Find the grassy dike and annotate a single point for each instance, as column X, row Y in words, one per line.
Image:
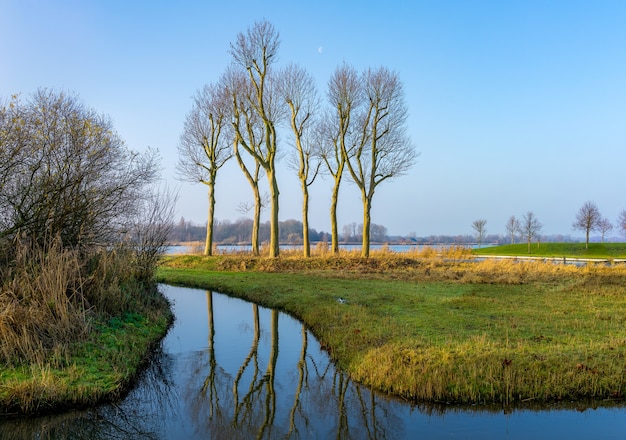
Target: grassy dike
column 430, row 327
column 607, row 251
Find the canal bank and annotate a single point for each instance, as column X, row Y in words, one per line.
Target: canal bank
column 230, row 369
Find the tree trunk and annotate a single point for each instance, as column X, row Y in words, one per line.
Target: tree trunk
column 208, row 244
column 367, row 208
column 334, row 233
column 256, row 224
column 306, row 245
column 274, row 232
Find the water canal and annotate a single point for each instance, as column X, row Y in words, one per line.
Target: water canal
column 229, row 369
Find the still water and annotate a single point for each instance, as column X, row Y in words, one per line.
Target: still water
column 229, row 369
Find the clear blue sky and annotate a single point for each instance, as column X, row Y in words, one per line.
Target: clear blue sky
column 514, row 105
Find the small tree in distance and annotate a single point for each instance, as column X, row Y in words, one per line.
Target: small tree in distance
column 530, row 227
column 621, row 222
column 512, row 227
column 587, row 220
column 604, row 226
column 479, row 228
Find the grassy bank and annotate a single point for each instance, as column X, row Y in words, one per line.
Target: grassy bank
column 430, row 329
column 100, row 368
column 558, row 250
column 75, row 328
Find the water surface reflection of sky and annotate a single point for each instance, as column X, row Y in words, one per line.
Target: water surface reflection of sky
column 231, row 370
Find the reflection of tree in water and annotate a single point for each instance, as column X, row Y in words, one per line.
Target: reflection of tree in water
column 253, row 400
column 193, row 396
column 253, row 403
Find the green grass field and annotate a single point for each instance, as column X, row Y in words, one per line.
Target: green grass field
column 439, row 331
column 558, row 250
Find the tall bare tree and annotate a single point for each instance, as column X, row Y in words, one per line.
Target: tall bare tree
column 479, row 226
column 249, row 133
column 382, row 149
column 512, row 227
column 530, row 227
column 345, row 98
column 298, row 90
column 255, row 52
column 587, row 219
column 205, row 146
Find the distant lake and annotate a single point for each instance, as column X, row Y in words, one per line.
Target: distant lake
column 350, row 247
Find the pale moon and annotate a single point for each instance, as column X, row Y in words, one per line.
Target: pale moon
column 319, row 49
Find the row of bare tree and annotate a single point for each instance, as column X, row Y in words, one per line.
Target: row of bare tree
column 360, row 134
column 588, row 219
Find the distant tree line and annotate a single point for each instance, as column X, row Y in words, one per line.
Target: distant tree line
column 588, row 220
column 240, row 232
column 227, row 232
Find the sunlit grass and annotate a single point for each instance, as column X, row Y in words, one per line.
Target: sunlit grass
column 558, row 250
column 100, row 368
column 442, row 330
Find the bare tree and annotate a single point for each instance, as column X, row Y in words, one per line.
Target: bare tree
column 13, row 140
column 347, row 232
column 530, row 227
column 587, row 219
column 512, row 227
column 205, row 146
column 479, row 227
column 621, row 222
column 345, row 97
column 381, row 148
column 604, row 226
column 255, row 52
column 65, row 172
column 249, row 132
column 297, row 88
column 149, row 232
column 379, row 232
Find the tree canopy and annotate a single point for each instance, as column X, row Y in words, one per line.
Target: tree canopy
column 65, row 172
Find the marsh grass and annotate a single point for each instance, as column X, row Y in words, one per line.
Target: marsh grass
column 433, row 327
column 55, row 302
column 41, row 304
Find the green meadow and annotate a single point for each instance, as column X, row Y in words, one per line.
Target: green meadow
column 429, row 328
column 558, row 250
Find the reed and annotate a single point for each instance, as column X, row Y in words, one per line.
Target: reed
column 59, row 309
column 41, row 304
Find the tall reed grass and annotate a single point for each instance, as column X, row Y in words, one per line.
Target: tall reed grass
column 49, row 297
